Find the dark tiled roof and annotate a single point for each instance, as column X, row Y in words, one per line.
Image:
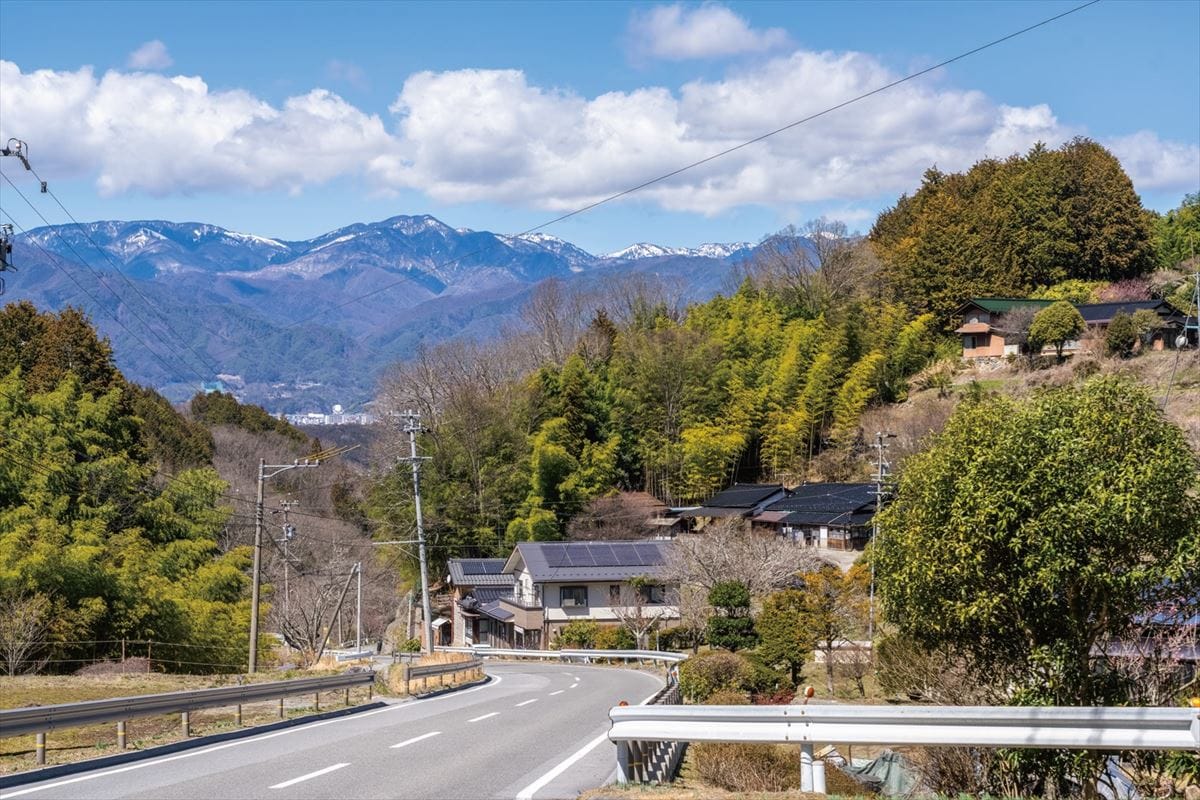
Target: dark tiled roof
column 715, row 511
column 1102, row 313
column 592, row 561
column 743, row 495
column 478, row 572
column 838, row 504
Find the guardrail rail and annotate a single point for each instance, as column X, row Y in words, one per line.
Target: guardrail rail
column 39, row 720
column 1093, row 728
column 439, row 671
column 653, row 656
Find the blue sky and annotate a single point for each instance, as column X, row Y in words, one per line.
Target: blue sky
column 289, row 120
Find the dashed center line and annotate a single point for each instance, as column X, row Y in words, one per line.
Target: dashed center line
column 573, row 685
column 416, row 739
column 309, row 776
column 560, row 691
column 527, row 702
column 485, row 716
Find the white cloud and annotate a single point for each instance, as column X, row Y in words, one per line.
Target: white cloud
column 152, row 55
column 490, row 135
column 346, row 72
column 678, row 32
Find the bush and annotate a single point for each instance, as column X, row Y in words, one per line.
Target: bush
column 760, row 678
column 732, row 633
column 615, row 638
column 581, row 633
column 747, row 767
column 1085, row 369
column 705, row 673
column 412, row 645
column 727, row 697
column 1121, row 336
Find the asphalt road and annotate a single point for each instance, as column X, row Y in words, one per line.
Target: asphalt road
column 533, row 731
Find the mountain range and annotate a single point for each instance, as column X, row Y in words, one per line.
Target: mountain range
column 297, row 325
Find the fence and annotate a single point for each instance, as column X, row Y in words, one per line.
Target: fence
column 41, row 719
column 1099, row 728
column 439, row 671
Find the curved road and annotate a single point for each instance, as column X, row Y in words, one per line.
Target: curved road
column 534, row 730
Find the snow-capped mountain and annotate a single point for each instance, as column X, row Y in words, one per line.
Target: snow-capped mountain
column 328, row 310
column 709, row 250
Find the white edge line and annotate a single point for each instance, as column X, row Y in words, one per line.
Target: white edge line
column 416, row 739
column 495, row 679
column 560, row 691
column 528, row 792
column 485, row 716
column 525, row 703
column 310, row 776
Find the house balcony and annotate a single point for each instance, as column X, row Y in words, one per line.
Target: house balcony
column 525, row 613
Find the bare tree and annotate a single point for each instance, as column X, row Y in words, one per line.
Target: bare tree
column 635, row 611
column 25, row 620
column 817, row 266
column 1014, row 326
column 694, row 612
column 727, row 551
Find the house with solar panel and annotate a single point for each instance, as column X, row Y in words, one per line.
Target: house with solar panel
column 525, row 600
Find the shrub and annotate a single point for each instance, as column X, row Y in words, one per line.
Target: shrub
column 780, row 697
column 615, row 638
column 1121, row 336
column 1085, row 369
column 727, row 697
column 580, row 633
column 747, row 767
column 732, row 627
column 705, row 673
column 412, row 645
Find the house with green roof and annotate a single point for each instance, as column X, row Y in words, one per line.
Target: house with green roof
column 985, row 334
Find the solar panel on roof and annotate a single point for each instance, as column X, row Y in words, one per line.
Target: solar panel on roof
column 625, row 554
column 555, row 556
column 482, row 567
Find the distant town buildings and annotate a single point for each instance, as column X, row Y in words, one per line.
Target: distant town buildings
column 338, row 417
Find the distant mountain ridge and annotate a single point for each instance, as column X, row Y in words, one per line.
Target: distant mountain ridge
column 246, row 302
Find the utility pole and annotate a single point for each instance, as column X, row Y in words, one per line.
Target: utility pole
column 881, row 466
column 412, row 426
column 289, row 531
column 358, row 611
column 263, row 477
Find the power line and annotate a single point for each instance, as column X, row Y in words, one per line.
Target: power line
column 53, row 259
column 720, row 154
column 203, row 360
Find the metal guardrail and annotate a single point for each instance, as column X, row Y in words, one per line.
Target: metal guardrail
column 438, row 670
column 1099, row 728
column 41, row 719
column 653, row 656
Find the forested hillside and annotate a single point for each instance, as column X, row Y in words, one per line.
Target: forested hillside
column 770, row 382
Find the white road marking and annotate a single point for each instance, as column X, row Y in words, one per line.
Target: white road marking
column 249, row 740
column 309, row 776
column 560, row 691
column 573, row 685
column 527, row 702
column 528, row 792
column 485, row 716
column 416, row 739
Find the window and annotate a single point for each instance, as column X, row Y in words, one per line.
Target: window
column 653, row 595
column 573, row 596
column 614, row 594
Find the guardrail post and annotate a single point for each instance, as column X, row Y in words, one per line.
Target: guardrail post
column 187, row 724
column 347, row 695
column 40, row 747
column 623, row 762
column 370, row 691
column 806, row 767
column 316, row 701
column 281, row 708
column 121, row 735
column 818, row 771
column 237, row 719
column 406, row 678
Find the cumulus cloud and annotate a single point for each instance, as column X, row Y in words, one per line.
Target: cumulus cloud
column 491, row 135
column 678, row 33
column 152, row 55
